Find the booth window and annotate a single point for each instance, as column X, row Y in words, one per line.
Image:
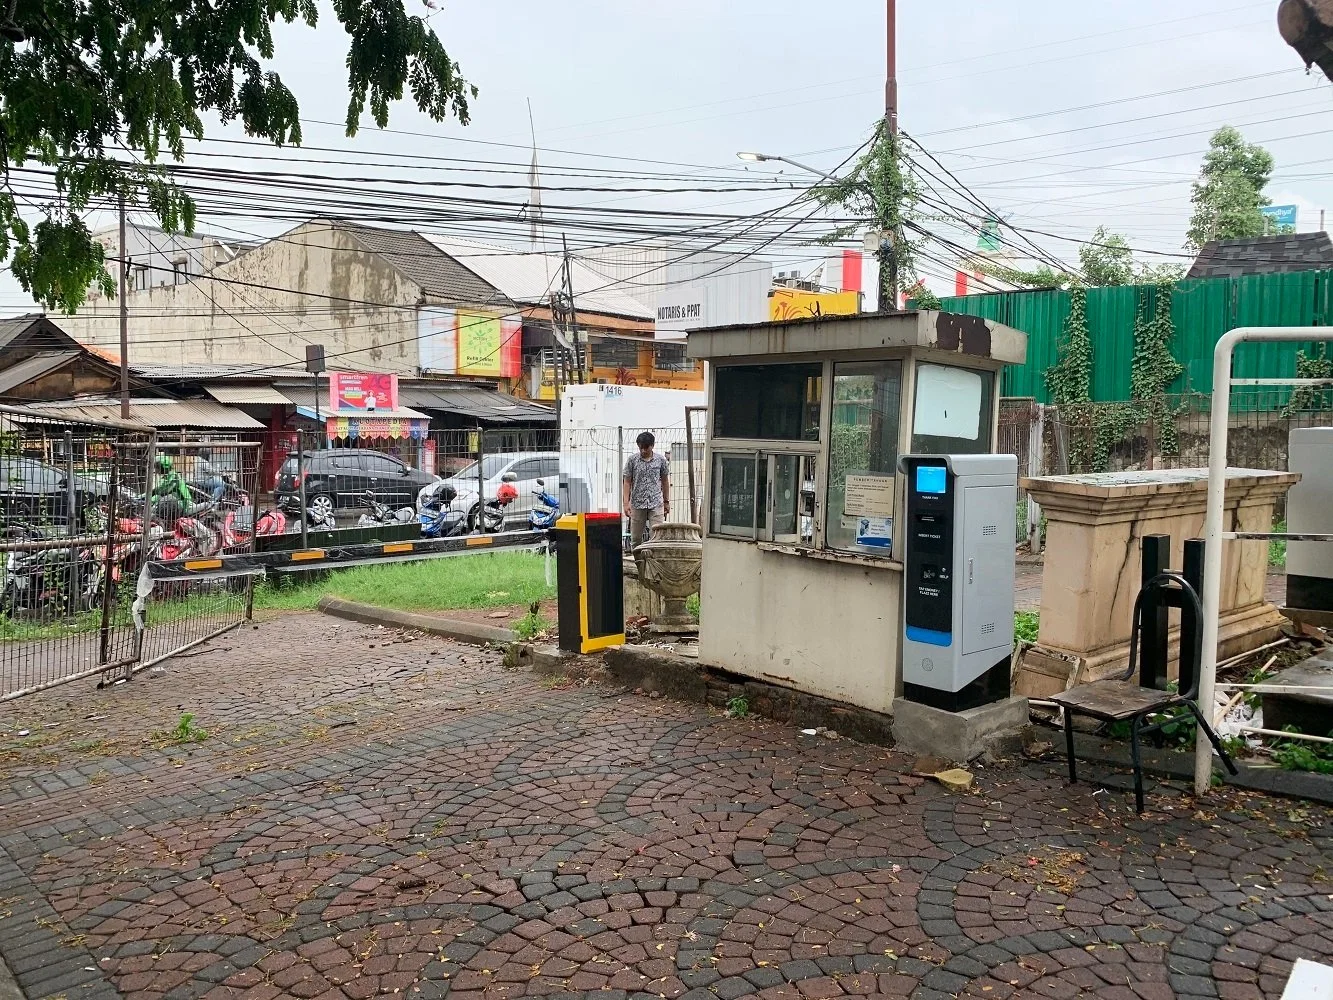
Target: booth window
column 768, row 402
column 863, row 455
column 764, row 496
column 953, row 411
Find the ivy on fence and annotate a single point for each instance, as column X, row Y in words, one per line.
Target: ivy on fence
column 1096, row 428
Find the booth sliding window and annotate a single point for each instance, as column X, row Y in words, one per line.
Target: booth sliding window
column 863, row 456
column 766, row 492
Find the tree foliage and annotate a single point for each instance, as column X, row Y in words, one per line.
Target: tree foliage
column 1105, row 260
column 881, row 190
column 101, row 89
column 1228, row 196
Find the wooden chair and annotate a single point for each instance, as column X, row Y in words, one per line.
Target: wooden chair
column 1119, row 700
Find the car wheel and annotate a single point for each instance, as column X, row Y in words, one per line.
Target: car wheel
column 322, row 504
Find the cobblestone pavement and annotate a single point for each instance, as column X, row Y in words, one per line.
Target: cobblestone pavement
column 371, row 814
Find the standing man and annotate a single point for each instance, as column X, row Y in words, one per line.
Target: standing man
column 646, row 491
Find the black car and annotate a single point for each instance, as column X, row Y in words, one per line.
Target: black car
column 32, row 492
column 336, row 477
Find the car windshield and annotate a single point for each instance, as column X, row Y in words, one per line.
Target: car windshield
column 491, row 467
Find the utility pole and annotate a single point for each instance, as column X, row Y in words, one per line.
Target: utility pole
column 887, row 255
column 124, row 322
column 572, row 315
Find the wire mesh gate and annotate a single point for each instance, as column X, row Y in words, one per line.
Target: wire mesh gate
column 83, row 508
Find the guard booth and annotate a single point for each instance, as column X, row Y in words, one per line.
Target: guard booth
column 802, row 581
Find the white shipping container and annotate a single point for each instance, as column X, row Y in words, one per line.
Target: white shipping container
column 598, row 427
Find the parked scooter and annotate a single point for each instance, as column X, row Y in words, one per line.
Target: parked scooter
column 438, row 517
column 546, row 511
column 314, row 519
column 378, row 513
column 493, row 517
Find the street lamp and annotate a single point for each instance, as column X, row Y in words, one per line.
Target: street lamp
column 767, row 157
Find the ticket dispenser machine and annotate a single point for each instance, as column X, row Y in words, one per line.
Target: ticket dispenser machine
column 958, row 589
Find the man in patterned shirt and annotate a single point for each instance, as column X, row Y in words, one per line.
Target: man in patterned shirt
column 646, row 491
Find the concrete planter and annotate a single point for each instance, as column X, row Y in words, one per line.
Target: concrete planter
column 671, row 560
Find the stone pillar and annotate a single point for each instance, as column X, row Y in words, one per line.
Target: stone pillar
column 1094, row 529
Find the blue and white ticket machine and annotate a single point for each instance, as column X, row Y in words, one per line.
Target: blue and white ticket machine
column 958, row 588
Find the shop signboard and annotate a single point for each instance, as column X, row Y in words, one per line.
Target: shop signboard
column 362, row 392
column 469, row 342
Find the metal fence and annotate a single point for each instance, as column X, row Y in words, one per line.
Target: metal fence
column 70, row 544
column 337, row 479
column 83, row 508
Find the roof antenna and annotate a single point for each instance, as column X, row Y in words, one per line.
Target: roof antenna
column 534, row 183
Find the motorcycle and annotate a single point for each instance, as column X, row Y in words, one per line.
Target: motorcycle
column 43, row 580
column 290, row 506
column 546, row 511
column 379, row 513
column 438, row 517
column 493, row 514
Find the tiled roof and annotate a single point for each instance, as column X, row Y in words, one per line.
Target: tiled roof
column 415, row 258
column 1263, row 255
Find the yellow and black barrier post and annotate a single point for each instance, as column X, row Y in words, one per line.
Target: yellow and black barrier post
column 590, row 581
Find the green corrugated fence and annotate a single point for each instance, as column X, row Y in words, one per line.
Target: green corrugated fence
column 1202, row 310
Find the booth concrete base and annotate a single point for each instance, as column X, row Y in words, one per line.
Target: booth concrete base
column 957, row 736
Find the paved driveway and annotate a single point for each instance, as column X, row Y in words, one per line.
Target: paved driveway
column 369, row 816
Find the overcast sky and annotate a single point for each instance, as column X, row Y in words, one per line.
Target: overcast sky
column 694, row 81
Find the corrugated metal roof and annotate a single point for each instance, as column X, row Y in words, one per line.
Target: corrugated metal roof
column 161, row 413
column 200, row 373
column 247, row 395
column 35, row 367
column 437, row 274
column 486, row 405
column 529, row 278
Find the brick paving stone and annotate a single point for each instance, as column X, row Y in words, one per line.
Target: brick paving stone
column 402, row 816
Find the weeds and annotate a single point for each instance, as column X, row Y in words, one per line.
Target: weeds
column 1294, row 755
column 1025, row 626
column 1277, row 547
column 532, row 625
column 186, row 731
column 738, row 707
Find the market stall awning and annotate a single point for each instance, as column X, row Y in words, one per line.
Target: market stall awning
column 485, row 405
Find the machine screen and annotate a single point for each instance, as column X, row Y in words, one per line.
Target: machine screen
column 930, row 479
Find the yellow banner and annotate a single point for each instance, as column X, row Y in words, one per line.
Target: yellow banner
column 479, row 340
column 791, row 303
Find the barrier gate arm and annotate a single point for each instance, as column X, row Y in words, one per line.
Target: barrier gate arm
column 1213, row 534
column 340, row 556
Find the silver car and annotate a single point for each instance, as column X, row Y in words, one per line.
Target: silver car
column 526, row 468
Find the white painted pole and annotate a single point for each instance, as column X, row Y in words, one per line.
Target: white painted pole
column 1211, row 598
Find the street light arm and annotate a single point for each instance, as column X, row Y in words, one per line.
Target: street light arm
column 768, row 157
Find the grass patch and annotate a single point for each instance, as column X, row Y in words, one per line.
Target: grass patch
column 492, row 580
column 1277, row 547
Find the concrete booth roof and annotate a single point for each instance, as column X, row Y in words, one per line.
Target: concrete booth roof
column 950, row 333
